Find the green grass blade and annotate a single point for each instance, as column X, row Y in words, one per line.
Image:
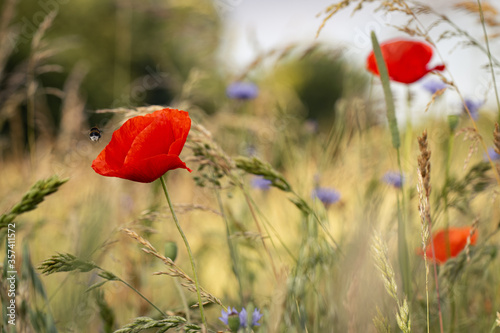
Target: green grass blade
column 403, row 253
column 389, row 100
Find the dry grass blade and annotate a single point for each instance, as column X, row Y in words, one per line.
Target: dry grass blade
column 424, row 190
column 380, row 253
column 174, row 270
column 468, row 244
column 488, row 10
column 333, row 9
column 381, row 256
column 381, row 322
column 472, row 7
column 8, row 35
column 115, row 110
column 496, row 138
column 424, row 163
column 433, row 98
column 185, row 208
column 207, row 152
column 474, row 137
column 36, row 42
column 73, row 107
column 132, row 112
column 424, row 211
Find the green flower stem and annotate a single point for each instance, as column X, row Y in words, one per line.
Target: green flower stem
column 143, row 297
column 191, row 259
column 116, row 278
column 436, row 281
column 386, row 85
column 447, row 225
column 427, row 308
column 445, row 193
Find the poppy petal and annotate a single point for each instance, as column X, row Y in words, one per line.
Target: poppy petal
column 122, row 140
column 438, row 68
column 145, row 147
column 153, row 140
column 406, row 60
column 148, row 170
column 457, row 242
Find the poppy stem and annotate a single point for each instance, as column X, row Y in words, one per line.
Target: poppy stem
column 191, row 259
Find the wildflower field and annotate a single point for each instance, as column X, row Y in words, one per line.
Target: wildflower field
column 147, row 185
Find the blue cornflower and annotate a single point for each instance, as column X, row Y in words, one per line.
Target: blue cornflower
column 433, row 86
column 473, row 107
column 261, row 183
column 243, row 318
column 327, row 196
column 242, row 90
column 394, row 178
column 236, row 320
column 256, row 315
column 225, row 314
column 493, row 154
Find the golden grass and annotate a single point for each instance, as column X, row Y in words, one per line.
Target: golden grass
column 84, row 218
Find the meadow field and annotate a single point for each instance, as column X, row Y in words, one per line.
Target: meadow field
column 311, row 200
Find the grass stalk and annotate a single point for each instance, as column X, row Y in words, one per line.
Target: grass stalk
column 424, row 168
column 232, row 249
column 447, row 224
column 488, row 53
column 188, row 248
column 141, row 295
column 183, row 299
column 380, row 255
column 259, row 229
column 427, row 312
column 393, row 126
column 438, row 296
column 268, row 226
column 445, row 192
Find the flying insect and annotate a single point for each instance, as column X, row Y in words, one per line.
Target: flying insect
column 94, row 134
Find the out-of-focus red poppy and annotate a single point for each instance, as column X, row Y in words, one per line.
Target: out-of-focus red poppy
column 145, row 147
column 458, row 241
column 406, row 60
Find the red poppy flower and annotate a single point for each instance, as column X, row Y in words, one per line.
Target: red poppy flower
column 145, row 147
column 458, row 241
column 406, row 60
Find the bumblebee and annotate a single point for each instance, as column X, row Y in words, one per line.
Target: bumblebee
column 94, row 134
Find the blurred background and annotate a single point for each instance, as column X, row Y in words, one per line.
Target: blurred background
column 129, row 54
